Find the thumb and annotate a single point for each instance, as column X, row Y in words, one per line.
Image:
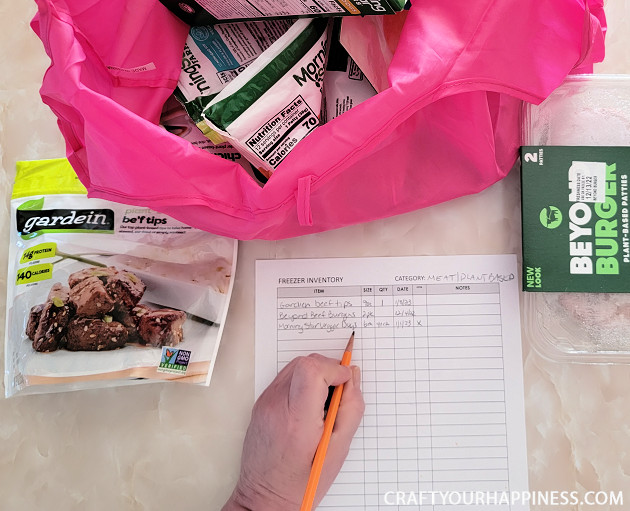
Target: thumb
column 350, row 413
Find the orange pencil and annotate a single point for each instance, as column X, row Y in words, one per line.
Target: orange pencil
column 320, row 454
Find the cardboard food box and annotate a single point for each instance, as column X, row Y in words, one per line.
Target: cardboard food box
column 575, row 218
column 208, row 12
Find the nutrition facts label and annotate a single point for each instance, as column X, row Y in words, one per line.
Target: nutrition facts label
column 275, row 138
column 438, row 343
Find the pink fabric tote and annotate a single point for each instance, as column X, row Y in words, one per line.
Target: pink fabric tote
column 447, row 126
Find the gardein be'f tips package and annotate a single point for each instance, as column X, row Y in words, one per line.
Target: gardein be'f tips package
column 102, row 294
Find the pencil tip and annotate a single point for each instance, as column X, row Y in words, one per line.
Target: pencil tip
column 350, row 342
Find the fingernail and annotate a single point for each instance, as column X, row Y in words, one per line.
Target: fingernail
column 356, row 376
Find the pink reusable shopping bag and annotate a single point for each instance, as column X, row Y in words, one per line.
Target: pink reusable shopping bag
column 447, row 126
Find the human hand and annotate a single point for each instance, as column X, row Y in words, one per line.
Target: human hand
column 286, row 427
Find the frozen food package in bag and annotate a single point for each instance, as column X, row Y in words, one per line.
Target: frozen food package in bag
column 274, row 103
column 214, row 55
column 202, row 12
column 345, row 86
column 372, row 42
column 104, row 294
column 175, row 120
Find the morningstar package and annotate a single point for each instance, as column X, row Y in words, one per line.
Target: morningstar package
column 103, row 294
column 273, row 104
column 176, row 120
column 214, row 55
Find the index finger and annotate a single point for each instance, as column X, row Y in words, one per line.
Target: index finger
column 309, row 384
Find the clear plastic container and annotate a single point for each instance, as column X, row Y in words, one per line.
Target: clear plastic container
column 586, row 110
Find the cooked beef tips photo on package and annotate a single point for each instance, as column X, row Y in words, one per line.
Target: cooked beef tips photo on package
column 102, row 294
column 98, row 312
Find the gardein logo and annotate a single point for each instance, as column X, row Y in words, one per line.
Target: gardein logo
column 29, row 222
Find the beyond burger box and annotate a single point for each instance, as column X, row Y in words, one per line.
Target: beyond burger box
column 575, row 215
column 208, row 12
column 575, row 219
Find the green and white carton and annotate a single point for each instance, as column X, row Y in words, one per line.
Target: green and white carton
column 209, row 12
column 575, row 219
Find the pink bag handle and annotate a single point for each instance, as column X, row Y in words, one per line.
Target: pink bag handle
column 303, row 196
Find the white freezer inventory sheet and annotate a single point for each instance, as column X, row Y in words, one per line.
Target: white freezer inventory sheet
column 438, row 342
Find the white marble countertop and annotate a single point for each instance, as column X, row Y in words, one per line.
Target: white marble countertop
column 163, row 446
